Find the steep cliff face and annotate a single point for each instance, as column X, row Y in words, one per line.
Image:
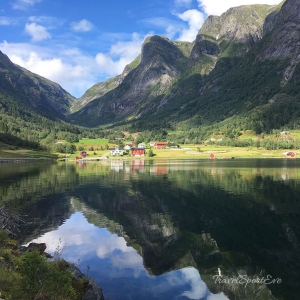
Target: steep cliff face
column 161, row 61
column 170, row 73
column 272, row 18
column 43, row 95
column 282, row 38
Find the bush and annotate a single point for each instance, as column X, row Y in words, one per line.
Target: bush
column 150, row 153
column 48, row 279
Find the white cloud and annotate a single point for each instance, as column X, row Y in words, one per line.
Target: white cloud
column 198, row 287
column 120, row 54
column 220, row 296
column 171, row 27
column 24, row 4
column 83, row 26
column 50, row 22
column 5, row 21
column 195, row 19
column 217, row 7
column 37, row 32
column 110, row 244
column 183, row 2
column 69, row 67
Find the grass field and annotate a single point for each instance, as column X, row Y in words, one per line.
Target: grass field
column 90, row 142
column 219, row 152
column 23, row 153
column 186, row 151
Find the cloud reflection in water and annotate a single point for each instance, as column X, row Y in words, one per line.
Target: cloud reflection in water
column 119, row 269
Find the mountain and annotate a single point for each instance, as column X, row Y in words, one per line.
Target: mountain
column 101, row 88
column 241, row 72
column 31, row 107
column 161, row 61
column 40, row 94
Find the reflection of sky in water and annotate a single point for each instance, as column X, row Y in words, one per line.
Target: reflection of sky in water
column 119, row 269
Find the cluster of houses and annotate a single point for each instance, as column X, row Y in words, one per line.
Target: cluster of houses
column 82, row 154
column 136, row 151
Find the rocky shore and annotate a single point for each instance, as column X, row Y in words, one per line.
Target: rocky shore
column 91, row 291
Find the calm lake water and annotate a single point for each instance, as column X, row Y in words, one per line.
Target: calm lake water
column 167, row 229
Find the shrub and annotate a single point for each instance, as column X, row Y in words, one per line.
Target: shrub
column 48, row 279
column 150, row 153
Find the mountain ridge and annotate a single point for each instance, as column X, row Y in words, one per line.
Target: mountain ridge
column 231, row 36
column 241, row 72
column 41, row 94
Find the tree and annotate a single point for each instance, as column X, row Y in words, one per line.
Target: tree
column 150, row 153
column 70, row 148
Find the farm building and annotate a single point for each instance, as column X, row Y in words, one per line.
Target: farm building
column 137, row 152
column 142, row 145
column 116, row 151
column 83, row 154
column 160, row 145
column 131, row 144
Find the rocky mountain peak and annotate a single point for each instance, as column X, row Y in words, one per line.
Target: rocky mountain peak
column 5, row 62
column 242, row 24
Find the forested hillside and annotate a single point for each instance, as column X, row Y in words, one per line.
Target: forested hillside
column 237, row 75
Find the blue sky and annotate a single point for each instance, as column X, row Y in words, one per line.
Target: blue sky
column 79, row 43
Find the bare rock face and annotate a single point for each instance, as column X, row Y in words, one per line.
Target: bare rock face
column 271, row 19
column 160, row 62
column 283, row 41
column 92, row 291
column 241, row 24
column 204, row 46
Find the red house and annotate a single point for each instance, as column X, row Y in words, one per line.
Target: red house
column 160, row 145
column 131, row 144
column 83, row 154
column 137, row 152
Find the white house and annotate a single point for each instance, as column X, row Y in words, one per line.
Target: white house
column 116, row 151
column 142, row 146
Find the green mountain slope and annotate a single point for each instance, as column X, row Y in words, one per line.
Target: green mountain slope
column 242, row 70
column 32, row 108
column 36, row 92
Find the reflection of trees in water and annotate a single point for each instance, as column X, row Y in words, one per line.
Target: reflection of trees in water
column 235, row 219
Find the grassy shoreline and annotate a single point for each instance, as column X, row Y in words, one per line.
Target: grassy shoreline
column 188, row 152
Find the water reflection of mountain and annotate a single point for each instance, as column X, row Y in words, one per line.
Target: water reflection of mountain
column 217, row 231
column 241, row 220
